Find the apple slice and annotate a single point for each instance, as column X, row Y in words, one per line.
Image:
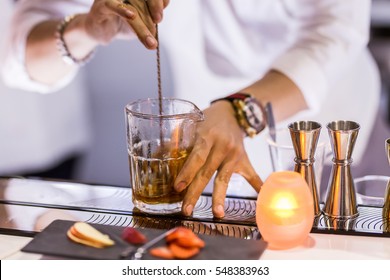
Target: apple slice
column 82, row 241
column 86, row 232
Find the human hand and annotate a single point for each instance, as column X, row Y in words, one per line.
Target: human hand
column 218, row 147
column 109, row 19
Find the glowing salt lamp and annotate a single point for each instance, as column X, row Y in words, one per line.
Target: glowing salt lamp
column 284, row 210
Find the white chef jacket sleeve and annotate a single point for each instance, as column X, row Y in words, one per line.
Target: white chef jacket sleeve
column 27, row 14
column 329, row 35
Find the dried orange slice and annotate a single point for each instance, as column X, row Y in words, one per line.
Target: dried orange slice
column 182, row 243
column 185, row 238
column 162, row 252
column 181, row 252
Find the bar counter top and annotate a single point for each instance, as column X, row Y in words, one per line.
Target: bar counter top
column 28, row 206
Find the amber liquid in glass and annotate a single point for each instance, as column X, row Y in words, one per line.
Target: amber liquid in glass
column 153, row 177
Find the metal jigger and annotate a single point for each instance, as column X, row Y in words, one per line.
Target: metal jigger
column 304, row 135
column 341, row 195
column 386, row 206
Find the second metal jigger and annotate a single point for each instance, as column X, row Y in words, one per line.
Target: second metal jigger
column 341, row 195
column 386, row 206
column 304, row 136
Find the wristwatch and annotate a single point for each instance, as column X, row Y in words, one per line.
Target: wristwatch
column 250, row 113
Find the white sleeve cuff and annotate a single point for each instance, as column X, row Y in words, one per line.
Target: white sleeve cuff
column 13, row 70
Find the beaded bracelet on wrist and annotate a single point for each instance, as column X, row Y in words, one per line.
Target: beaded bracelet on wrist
column 62, row 47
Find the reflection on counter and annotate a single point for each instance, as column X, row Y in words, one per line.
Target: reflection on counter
column 26, row 206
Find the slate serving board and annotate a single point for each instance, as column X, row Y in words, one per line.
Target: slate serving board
column 53, row 241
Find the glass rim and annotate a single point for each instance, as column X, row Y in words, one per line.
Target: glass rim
column 372, row 178
column 311, row 126
column 194, row 111
column 377, row 200
column 349, row 126
column 272, row 143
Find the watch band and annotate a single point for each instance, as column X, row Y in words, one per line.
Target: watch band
column 234, row 96
column 250, row 113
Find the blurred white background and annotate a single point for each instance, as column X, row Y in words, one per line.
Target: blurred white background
column 126, row 71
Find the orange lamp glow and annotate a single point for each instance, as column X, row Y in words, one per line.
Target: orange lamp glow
column 284, row 210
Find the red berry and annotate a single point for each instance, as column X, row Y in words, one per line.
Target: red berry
column 133, row 236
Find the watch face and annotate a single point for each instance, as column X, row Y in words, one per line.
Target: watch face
column 254, row 114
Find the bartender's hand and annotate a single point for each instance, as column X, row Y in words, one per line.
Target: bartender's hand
column 109, row 19
column 219, row 147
